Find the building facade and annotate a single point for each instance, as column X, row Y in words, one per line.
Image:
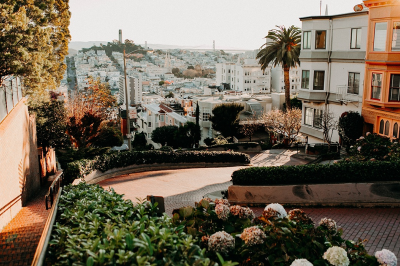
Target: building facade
column 381, row 103
column 332, row 69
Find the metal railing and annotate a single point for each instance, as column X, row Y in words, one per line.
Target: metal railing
column 346, row 93
column 53, row 190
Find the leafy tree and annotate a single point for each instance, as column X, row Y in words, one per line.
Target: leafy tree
column 250, row 126
column 187, row 135
column 34, row 41
column 170, row 95
column 86, row 111
column 295, row 103
column 286, row 123
column 161, row 83
column 282, row 47
column 109, row 136
column 139, row 142
column 225, row 118
column 350, row 127
column 165, row 135
column 175, row 71
column 190, row 67
column 51, row 124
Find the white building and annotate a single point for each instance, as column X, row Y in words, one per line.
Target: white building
column 135, row 89
column 332, row 63
column 247, row 77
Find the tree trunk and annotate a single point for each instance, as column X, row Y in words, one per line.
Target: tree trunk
column 287, row 87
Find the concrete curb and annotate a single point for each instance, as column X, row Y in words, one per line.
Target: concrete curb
column 383, row 194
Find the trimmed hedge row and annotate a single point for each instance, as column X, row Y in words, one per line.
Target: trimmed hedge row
column 346, row 172
column 78, row 169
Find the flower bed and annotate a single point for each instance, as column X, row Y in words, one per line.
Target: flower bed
column 274, row 238
column 78, row 169
column 346, row 172
column 97, row 227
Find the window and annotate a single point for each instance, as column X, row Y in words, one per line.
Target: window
column 355, row 39
column 305, row 79
column 149, row 124
column 396, row 36
column 376, row 86
column 307, row 40
column 162, row 118
column 313, row 117
column 320, row 39
column 206, row 114
column 394, row 93
column 380, row 36
column 395, row 130
column 319, row 80
column 381, row 126
column 387, row 126
column 354, row 83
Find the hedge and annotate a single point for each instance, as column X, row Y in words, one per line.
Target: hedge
column 346, row 172
column 98, row 227
column 81, row 168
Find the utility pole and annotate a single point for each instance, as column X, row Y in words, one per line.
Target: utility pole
column 128, row 124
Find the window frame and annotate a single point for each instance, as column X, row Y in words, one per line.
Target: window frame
column 316, row 47
column 323, row 85
column 390, row 88
column 348, row 82
column 308, row 79
column 372, row 86
column 308, row 40
column 374, row 42
column 358, row 34
column 398, row 37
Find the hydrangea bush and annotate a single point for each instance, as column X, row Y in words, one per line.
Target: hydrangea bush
column 274, row 238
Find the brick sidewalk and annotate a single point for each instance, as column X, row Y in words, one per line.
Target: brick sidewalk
column 380, row 226
column 19, row 239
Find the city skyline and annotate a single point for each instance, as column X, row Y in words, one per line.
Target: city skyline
column 231, row 24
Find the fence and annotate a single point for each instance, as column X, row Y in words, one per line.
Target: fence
column 10, row 95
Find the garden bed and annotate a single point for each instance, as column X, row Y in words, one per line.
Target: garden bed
column 97, row 227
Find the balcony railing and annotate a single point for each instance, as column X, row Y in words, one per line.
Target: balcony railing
column 346, row 93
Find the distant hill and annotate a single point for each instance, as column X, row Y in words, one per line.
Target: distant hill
column 72, row 52
column 79, row 45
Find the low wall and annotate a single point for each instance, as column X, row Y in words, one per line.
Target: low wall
column 346, row 194
column 19, row 164
column 97, row 175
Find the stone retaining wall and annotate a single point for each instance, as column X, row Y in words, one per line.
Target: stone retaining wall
column 346, row 194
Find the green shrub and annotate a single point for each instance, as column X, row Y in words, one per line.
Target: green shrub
column 375, row 148
column 78, row 169
column 166, row 148
column 343, row 172
column 98, row 227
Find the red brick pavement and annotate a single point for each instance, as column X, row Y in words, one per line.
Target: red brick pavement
column 379, row 226
column 19, row 239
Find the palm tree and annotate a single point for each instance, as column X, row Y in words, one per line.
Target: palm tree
column 282, row 47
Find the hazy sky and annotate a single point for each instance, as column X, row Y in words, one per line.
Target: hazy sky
column 238, row 24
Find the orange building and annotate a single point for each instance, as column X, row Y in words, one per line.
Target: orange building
column 381, row 102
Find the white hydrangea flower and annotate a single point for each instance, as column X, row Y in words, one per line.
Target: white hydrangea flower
column 253, row 236
column 386, row 258
column 301, row 262
column 221, row 242
column 221, row 201
column 278, row 208
column 329, row 223
column 222, row 211
column 337, row 256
